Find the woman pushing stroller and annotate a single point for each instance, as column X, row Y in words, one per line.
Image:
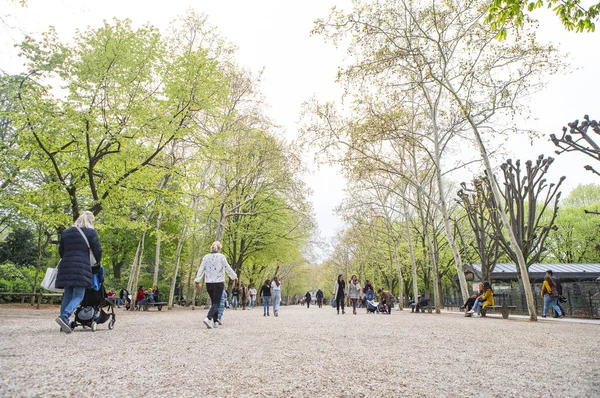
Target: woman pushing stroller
column 75, row 268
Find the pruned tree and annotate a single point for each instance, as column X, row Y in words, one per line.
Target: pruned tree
column 474, row 201
column 528, row 198
column 580, row 137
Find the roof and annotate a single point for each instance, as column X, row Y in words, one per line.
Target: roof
column 507, row 271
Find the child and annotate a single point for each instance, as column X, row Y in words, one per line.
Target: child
column 221, row 307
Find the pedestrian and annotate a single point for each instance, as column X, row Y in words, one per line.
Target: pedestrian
column 213, row 268
column 265, row 293
column 74, row 273
column 320, row 298
column 221, row 307
column 368, row 287
column 560, row 292
column 339, row 293
column 235, row 293
column 307, row 298
column 252, row 294
column 386, row 300
column 244, row 295
column 354, row 292
column 550, row 296
column 276, row 294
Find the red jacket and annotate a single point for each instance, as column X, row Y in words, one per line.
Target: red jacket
column 140, row 295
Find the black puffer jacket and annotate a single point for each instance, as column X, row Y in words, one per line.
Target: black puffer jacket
column 75, row 269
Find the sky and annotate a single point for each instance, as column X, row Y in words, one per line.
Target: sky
column 275, row 35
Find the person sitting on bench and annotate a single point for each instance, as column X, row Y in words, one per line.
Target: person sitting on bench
column 422, row 302
column 484, row 300
column 468, row 305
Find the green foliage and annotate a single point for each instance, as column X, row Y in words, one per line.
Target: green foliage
column 19, row 248
column 572, row 14
column 583, row 195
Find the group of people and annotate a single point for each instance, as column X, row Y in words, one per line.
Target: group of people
column 74, row 275
column 551, row 292
column 353, row 292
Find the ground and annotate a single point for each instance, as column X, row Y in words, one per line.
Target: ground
column 302, row 353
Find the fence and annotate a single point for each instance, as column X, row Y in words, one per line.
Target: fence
column 10, row 297
column 583, row 299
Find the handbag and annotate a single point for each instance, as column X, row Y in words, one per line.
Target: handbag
column 49, row 282
column 562, row 299
column 93, row 262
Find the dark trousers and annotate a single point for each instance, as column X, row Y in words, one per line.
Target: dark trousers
column 307, row 303
column 215, row 291
column 469, row 303
column 320, row 302
column 339, row 300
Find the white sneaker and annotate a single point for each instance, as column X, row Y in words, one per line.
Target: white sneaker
column 215, row 325
column 477, row 315
column 209, row 324
column 471, row 311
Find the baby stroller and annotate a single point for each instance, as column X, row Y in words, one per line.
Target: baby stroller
column 372, row 305
column 95, row 309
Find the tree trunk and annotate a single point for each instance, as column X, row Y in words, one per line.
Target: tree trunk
column 176, row 267
column 411, row 252
column 443, row 206
column 157, row 255
column 134, row 276
column 400, row 281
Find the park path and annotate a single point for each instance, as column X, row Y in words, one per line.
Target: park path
column 303, row 353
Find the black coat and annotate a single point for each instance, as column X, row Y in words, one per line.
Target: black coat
column 75, row 269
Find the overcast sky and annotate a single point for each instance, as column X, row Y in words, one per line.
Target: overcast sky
column 275, row 35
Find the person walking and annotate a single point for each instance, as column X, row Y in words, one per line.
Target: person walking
column 235, row 294
column 354, row 292
column 213, row 268
column 307, row 299
column 320, row 298
column 74, row 273
column 550, row 296
column 244, row 296
column 265, row 293
column 276, row 294
column 252, row 294
column 339, row 293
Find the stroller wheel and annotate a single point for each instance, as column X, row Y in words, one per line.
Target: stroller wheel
column 111, row 324
column 94, row 326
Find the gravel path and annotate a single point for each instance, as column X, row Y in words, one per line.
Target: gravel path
column 302, row 353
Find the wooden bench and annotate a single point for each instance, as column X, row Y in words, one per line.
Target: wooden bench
column 504, row 309
column 158, row 305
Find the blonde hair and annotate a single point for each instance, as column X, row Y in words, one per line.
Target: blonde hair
column 85, row 220
column 216, row 247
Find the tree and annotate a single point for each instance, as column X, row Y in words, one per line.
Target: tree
column 127, row 94
column 527, row 198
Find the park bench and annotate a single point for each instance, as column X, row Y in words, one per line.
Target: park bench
column 504, row 309
column 159, row 304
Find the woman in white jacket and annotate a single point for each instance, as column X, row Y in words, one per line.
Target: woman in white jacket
column 213, row 268
column 354, row 292
column 276, row 295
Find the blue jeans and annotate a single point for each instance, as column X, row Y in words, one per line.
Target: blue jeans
column 477, row 306
column 234, row 301
column 71, row 299
column 251, row 305
column 553, row 301
column 266, row 302
column 276, row 294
